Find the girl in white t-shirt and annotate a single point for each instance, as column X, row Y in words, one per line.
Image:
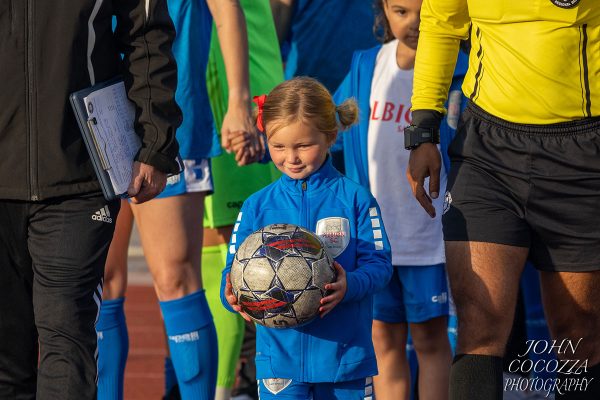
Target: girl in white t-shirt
column 417, row 297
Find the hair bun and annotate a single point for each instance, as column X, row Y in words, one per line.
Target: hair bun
column 347, row 113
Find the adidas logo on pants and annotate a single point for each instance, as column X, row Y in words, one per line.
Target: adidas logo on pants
column 102, row 215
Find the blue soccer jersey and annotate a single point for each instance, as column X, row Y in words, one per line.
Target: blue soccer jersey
column 193, row 24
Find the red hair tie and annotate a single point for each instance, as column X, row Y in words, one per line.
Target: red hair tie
column 260, row 102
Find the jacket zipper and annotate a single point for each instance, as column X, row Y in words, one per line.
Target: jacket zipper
column 304, row 211
column 30, row 117
column 304, row 222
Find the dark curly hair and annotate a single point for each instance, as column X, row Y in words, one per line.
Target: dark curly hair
column 381, row 28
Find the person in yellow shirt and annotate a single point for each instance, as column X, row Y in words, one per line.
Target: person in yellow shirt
column 524, row 181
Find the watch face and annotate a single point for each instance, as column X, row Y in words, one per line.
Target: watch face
column 414, row 136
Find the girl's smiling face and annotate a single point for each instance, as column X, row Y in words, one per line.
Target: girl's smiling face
column 299, row 149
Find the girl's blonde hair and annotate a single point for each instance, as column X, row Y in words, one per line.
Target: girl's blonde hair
column 306, row 99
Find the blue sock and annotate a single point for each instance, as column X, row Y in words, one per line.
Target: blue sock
column 170, row 378
column 193, row 345
column 113, row 347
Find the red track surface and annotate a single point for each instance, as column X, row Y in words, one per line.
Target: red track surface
column 144, row 378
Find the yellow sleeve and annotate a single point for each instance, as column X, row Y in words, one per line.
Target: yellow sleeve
column 444, row 23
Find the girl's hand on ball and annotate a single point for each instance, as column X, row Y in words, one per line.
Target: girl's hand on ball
column 337, row 291
column 232, row 299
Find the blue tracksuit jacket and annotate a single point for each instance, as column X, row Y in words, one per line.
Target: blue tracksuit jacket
column 337, row 347
column 357, row 84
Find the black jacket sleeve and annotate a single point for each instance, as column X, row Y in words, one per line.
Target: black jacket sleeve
column 144, row 35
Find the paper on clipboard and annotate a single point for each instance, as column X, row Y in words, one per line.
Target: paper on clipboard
column 110, row 119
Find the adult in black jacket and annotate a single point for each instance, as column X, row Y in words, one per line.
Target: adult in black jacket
column 52, row 250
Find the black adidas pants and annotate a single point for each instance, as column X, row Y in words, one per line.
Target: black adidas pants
column 52, row 256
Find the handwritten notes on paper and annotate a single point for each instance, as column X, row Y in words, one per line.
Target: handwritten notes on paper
column 111, row 115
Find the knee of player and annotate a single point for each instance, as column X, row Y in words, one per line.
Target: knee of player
column 430, row 341
column 568, row 323
column 485, row 329
column 388, row 337
column 66, row 319
column 171, row 287
column 577, row 338
column 115, row 284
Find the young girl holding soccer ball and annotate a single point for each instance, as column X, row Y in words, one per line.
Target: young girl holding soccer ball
column 332, row 357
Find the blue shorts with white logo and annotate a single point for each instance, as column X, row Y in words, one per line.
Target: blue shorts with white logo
column 195, row 177
column 414, row 294
column 287, row 389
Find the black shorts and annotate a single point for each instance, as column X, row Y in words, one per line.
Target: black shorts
column 535, row 186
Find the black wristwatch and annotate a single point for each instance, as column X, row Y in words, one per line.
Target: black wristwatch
column 414, row 136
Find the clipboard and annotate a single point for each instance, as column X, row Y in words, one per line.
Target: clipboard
column 86, row 126
column 106, row 120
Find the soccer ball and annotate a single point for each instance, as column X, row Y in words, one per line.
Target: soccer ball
column 279, row 275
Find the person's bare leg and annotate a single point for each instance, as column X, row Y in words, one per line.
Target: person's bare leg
column 115, row 269
column 430, row 339
column 230, row 327
column 484, row 280
column 171, row 233
column 573, row 313
column 393, row 381
column 113, row 339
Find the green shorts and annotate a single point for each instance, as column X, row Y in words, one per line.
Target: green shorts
column 233, row 184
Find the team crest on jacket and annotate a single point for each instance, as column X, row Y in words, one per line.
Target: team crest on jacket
column 276, row 385
column 565, row 3
column 335, row 233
